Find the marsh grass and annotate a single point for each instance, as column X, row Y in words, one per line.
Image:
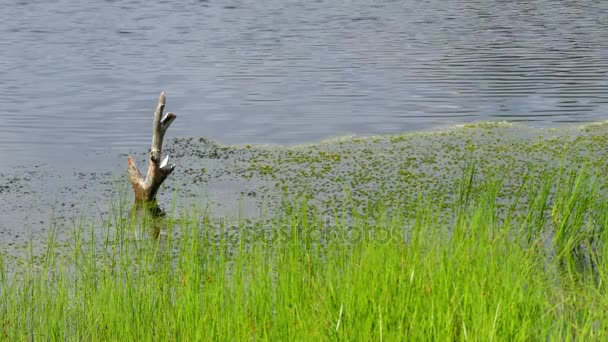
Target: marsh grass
column 481, row 264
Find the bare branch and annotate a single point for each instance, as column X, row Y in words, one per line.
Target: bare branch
column 157, row 136
column 134, row 174
column 145, row 190
column 166, row 121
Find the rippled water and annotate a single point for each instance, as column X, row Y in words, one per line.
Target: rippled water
column 81, row 77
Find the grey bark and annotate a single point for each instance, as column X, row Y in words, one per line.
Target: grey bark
column 146, row 189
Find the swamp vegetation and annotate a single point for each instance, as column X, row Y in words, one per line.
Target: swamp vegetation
column 483, row 232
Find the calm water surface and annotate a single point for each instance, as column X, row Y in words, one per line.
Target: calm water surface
column 80, row 78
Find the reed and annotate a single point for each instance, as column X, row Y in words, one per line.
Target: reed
column 479, row 264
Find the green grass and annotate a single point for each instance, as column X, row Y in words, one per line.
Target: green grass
column 484, row 263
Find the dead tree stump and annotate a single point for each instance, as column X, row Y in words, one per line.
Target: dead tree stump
column 146, row 189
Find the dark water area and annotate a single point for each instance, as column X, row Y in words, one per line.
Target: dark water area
column 80, row 78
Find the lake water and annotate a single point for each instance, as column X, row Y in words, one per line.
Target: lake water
column 79, row 78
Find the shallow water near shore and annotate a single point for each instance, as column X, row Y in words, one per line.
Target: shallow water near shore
column 240, row 180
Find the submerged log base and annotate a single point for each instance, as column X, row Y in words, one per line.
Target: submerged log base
column 146, row 189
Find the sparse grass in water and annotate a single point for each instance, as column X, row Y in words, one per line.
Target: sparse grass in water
column 533, row 266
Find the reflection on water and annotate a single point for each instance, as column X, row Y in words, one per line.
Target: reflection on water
column 80, row 77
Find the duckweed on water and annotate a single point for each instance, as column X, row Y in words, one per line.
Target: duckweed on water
column 395, row 271
column 498, row 234
column 403, row 166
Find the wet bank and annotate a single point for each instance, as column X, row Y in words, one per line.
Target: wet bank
column 246, row 180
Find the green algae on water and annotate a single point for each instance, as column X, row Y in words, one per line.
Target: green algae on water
column 401, row 166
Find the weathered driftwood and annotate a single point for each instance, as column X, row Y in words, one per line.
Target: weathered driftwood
column 146, row 189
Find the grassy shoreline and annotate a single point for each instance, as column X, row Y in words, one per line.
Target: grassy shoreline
column 484, row 232
column 487, row 259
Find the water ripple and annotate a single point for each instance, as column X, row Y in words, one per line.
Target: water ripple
column 77, row 77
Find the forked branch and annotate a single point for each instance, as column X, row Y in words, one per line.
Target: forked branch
column 146, row 189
